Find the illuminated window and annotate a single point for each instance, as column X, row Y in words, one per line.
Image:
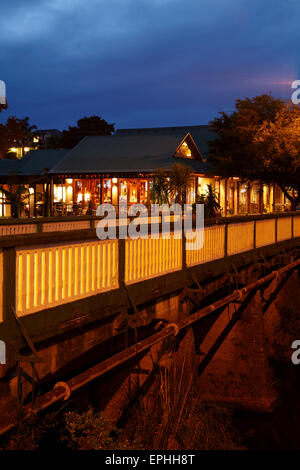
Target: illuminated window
column 143, row 192
column 107, row 190
column 59, row 193
column 2, row 202
column 133, row 192
column 184, row 151
column 123, row 191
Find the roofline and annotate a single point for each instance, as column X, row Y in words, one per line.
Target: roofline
column 161, row 127
column 123, row 171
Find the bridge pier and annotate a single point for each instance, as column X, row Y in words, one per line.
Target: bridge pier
column 282, row 315
column 239, row 372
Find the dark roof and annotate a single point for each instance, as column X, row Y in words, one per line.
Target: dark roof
column 126, row 154
column 201, row 134
column 41, row 161
column 9, row 167
column 35, row 162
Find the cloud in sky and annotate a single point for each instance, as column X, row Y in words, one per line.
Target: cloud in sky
column 143, row 62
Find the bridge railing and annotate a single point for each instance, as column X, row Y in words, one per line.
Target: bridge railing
column 50, row 276
column 39, row 272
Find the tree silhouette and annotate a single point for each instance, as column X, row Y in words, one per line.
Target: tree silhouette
column 87, row 126
column 260, row 140
column 15, row 133
column 278, row 144
column 234, row 150
column 170, row 185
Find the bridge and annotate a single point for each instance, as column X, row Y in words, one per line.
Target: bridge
column 73, row 306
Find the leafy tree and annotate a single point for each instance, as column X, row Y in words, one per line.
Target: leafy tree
column 29, row 132
column 210, row 201
column 87, row 126
column 179, row 182
column 11, row 134
column 171, row 185
column 159, row 190
column 278, row 144
column 260, row 141
column 234, row 150
column 17, row 195
column 15, row 133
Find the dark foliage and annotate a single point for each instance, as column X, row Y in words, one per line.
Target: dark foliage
column 87, row 126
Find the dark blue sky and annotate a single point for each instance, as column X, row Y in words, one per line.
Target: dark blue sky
column 142, row 63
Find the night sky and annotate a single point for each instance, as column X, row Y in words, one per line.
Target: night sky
column 144, row 63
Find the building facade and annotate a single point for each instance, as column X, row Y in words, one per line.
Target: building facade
column 120, row 168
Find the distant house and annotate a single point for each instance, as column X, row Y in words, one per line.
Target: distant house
column 41, row 136
column 39, row 141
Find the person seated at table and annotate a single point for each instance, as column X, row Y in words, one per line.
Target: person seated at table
column 76, row 209
column 91, row 208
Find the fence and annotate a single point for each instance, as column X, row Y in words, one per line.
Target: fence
column 47, row 276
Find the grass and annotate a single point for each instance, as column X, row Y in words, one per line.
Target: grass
column 174, row 417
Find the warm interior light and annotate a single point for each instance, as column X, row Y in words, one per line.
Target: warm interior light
column 59, row 193
column 69, row 193
column 184, row 150
column 114, row 193
column 31, row 190
column 115, row 180
column 69, row 181
column 2, row 199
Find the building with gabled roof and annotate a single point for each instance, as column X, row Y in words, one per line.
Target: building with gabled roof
column 110, row 169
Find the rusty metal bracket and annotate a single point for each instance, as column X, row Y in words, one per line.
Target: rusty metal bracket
column 136, row 313
column 194, row 294
column 232, row 275
column 195, row 280
column 33, row 359
column 129, row 297
column 234, row 268
column 266, row 263
column 25, row 334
